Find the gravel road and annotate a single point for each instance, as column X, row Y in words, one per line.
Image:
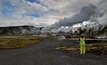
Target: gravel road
column 43, row 53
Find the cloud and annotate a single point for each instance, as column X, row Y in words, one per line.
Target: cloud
column 40, row 12
column 23, row 13
column 101, row 13
column 94, row 11
column 84, row 15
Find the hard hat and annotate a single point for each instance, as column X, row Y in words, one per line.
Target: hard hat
column 82, row 34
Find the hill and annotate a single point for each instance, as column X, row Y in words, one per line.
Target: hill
column 20, row 30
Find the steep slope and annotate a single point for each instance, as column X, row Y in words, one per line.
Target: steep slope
column 20, row 30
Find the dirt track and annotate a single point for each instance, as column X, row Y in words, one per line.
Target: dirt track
column 43, row 53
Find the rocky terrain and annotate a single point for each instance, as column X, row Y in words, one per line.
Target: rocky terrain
column 20, row 30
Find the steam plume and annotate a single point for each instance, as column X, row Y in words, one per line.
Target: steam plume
column 94, row 13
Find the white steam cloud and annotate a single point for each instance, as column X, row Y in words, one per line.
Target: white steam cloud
column 91, row 12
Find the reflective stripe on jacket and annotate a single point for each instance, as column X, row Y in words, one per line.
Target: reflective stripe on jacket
column 82, row 41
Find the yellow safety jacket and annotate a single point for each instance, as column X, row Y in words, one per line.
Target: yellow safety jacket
column 82, row 41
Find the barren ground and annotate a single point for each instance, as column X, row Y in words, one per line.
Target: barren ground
column 43, row 53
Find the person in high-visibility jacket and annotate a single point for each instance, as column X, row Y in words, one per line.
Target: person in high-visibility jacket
column 82, row 44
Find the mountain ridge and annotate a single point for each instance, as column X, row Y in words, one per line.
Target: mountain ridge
column 25, row 29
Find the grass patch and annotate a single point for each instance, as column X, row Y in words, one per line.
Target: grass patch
column 60, row 47
column 66, row 48
column 96, row 46
column 88, row 47
column 98, row 49
column 93, row 48
column 10, row 43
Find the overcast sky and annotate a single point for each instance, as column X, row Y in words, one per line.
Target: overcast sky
column 39, row 12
